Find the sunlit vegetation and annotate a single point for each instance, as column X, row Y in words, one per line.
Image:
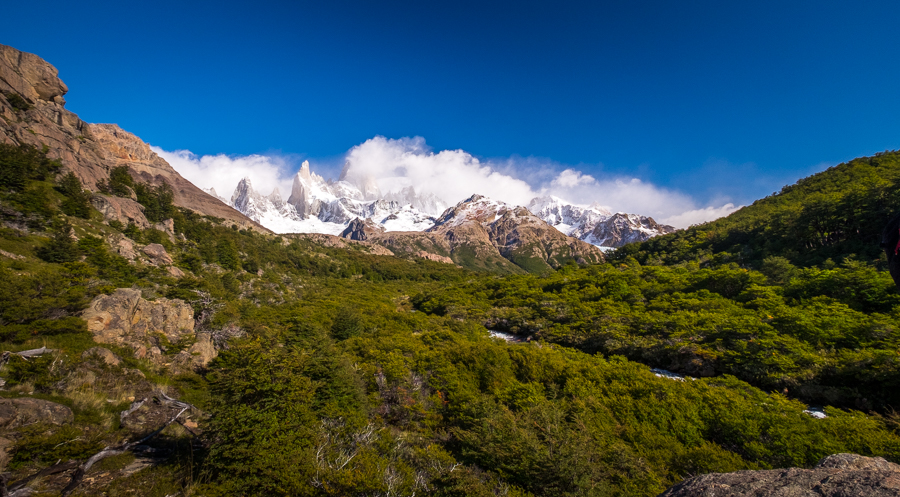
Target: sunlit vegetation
column 358, row 374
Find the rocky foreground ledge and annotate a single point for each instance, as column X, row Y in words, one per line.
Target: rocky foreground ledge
column 838, row 475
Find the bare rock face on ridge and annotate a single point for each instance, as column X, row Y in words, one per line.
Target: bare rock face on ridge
column 90, row 151
column 361, row 230
column 838, row 475
column 46, row 121
column 125, row 318
column 480, row 233
column 121, row 148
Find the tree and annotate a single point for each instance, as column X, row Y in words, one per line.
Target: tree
column 60, row 248
column 77, row 202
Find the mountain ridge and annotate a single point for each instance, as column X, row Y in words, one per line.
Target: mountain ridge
column 90, row 151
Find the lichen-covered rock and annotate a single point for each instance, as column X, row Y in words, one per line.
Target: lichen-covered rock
column 120, row 209
column 125, row 248
column 838, row 475
column 174, row 272
column 198, row 355
column 151, row 329
column 157, row 254
column 125, row 318
column 25, row 411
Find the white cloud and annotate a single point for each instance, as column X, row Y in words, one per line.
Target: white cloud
column 454, row 175
column 697, row 216
column 451, row 175
column 571, row 178
column 224, row 172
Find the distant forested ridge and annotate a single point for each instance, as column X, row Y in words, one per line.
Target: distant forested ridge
column 829, row 215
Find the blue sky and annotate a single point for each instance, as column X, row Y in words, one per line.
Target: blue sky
column 720, row 101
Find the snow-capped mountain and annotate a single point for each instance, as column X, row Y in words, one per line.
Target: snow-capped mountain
column 317, row 205
column 320, row 206
column 484, row 234
column 596, row 224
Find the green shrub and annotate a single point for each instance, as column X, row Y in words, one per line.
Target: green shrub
column 17, row 102
column 18, row 164
column 78, row 201
column 61, row 247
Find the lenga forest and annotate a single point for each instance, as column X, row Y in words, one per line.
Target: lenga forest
column 339, row 372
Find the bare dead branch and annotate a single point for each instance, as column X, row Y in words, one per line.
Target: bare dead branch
column 78, row 476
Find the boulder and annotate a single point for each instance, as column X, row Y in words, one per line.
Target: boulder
column 103, row 354
column 6, row 446
column 199, row 355
column 157, row 254
column 167, row 226
column 125, row 247
column 174, row 272
column 838, row 475
column 125, row 318
column 120, row 209
column 25, row 411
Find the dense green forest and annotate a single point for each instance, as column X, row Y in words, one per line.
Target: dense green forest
column 356, row 374
column 829, row 215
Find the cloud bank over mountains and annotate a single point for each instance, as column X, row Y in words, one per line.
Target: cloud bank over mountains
column 452, row 175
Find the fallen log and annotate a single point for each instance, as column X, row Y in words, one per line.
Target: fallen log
column 24, row 354
column 78, row 476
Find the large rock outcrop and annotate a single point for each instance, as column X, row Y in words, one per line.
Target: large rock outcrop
column 838, row 475
column 150, row 328
column 123, row 210
column 25, row 411
column 90, row 151
column 121, row 148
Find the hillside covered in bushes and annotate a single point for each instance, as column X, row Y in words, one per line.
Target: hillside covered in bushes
column 340, row 372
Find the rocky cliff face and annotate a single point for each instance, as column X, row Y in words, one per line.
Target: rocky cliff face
column 121, row 148
column 33, row 112
column 361, row 230
column 837, row 475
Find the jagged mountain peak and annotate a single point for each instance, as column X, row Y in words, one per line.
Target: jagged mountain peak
column 319, row 206
column 275, row 196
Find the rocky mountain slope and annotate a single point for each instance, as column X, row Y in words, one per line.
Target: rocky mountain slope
column 486, row 234
column 596, row 224
column 33, row 111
